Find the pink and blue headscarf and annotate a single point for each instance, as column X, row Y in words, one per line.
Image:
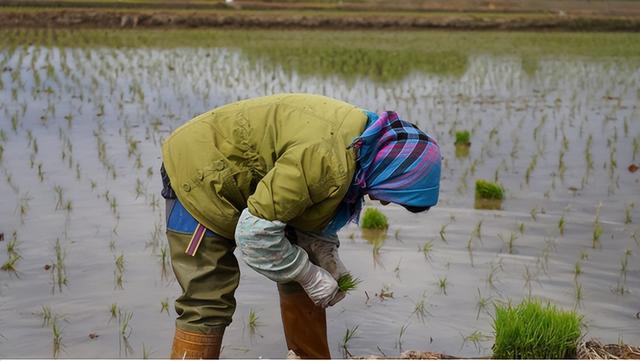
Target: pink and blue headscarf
column 396, row 162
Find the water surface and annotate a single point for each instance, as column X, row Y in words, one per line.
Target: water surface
column 554, row 120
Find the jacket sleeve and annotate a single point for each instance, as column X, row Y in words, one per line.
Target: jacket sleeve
column 265, row 248
column 299, row 179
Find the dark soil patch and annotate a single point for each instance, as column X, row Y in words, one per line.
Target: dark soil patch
column 128, row 18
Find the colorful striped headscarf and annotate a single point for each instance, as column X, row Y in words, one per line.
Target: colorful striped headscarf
column 397, row 162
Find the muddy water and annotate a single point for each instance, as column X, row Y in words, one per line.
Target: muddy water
column 97, row 118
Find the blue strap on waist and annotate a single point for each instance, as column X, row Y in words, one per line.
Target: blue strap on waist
column 182, row 222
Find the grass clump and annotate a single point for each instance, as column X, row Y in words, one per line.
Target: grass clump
column 489, row 190
column 374, row 219
column 347, row 282
column 531, row 330
column 463, row 138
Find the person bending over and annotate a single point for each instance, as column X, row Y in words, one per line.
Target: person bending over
column 278, row 176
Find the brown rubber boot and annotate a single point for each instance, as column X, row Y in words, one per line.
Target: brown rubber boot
column 304, row 323
column 191, row 345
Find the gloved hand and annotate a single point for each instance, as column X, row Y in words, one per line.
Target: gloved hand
column 320, row 285
column 322, row 251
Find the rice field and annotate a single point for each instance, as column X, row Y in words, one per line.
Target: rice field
column 553, row 118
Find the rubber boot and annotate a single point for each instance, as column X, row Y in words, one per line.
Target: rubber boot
column 191, row 345
column 304, row 323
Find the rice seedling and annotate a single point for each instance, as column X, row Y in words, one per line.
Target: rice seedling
column 482, row 303
column 140, row 188
column 68, row 207
column 113, row 204
column 164, row 257
column 12, row 185
column 420, row 309
column 521, row 228
column 348, row 283
column 23, row 206
column 69, row 119
column 113, row 311
column 12, row 244
column 491, row 278
column 443, row 232
column 477, row 230
column 118, row 273
column 396, row 235
column 426, row 249
column 252, row 321
column 156, row 234
column 561, row 224
column 56, row 333
column 349, row 335
column 534, row 214
column 508, row 242
column 597, row 233
column 59, row 270
column 40, row 173
column 620, row 288
column 577, row 269
column 15, row 123
column 164, row 306
column 442, row 284
column 578, row 293
column 10, row 264
column 124, row 332
column 47, row 315
column 403, row 330
column 374, row 219
column 624, row 264
column 532, row 330
column 154, row 202
column 476, row 338
column 528, row 277
column 561, row 166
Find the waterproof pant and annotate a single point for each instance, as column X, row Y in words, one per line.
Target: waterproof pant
column 209, row 280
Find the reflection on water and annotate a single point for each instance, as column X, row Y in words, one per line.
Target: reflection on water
column 480, row 203
column 376, row 238
column 462, row 150
column 83, row 126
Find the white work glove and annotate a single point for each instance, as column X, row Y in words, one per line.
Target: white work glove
column 319, row 284
column 323, row 252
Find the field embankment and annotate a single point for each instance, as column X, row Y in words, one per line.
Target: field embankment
column 572, row 15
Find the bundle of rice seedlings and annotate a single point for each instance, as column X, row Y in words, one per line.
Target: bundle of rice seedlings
column 462, row 138
column 533, row 331
column 347, row 283
column 374, row 219
column 488, row 190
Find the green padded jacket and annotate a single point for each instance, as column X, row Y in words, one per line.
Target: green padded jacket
column 286, row 157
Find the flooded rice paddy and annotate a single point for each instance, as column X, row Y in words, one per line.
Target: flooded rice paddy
column 85, row 269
